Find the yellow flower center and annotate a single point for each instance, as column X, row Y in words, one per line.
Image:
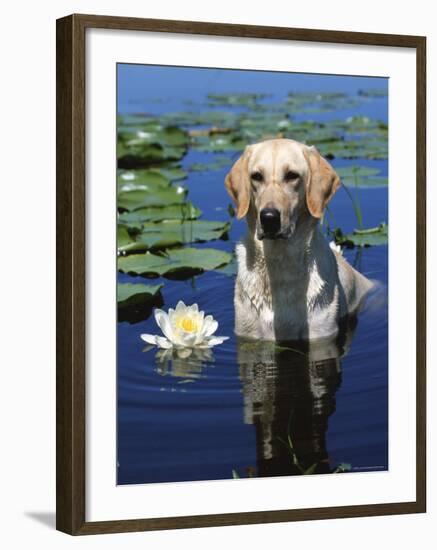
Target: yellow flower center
column 187, row 324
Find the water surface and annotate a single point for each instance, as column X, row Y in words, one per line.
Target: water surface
column 249, row 410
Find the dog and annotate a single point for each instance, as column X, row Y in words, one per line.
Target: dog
column 291, row 285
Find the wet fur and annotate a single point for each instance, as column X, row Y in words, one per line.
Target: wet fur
column 296, row 288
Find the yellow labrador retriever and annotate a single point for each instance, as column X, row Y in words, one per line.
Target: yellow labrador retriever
column 291, row 284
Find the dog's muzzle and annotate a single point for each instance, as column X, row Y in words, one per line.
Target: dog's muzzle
column 270, row 220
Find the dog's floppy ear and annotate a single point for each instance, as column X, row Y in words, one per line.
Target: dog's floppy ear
column 237, row 183
column 322, row 182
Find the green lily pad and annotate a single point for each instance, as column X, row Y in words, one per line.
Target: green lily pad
column 352, row 149
column 203, row 118
column 373, row 182
column 147, row 180
column 136, row 301
column 173, row 233
column 183, row 211
column 220, row 143
column 129, row 294
column 363, row 237
column 373, row 92
column 182, row 262
column 143, row 198
column 172, row 173
column 366, row 182
column 123, row 237
column 229, row 269
column 153, row 133
column 243, row 99
column 359, row 171
column 217, row 164
column 361, row 176
column 149, row 143
column 312, row 97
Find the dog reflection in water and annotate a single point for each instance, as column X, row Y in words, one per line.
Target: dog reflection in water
column 289, row 395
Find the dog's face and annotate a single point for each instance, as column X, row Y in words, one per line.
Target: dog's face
column 280, row 180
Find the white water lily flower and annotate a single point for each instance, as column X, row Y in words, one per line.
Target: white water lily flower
column 336, row 247
column 184, row 327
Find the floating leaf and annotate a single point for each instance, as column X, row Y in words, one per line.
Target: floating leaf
column 149, row 143
column 183, row 211
column 173, row 232
column 313, row 97
column 136, row 301
column 220, row 142
column 142, row 198
column 373, row 92
column 180, row 262
column 229, row 269
column 359, row 171
column 373, row 182
column 351, row 149
column 203, row 118
column 235, row 99
column 129, row 294
column 153, row 133
column 172, row 173
column 123, row 237
column 363, row 237
column 217, row 164
column 147, row 180
column 361, row 176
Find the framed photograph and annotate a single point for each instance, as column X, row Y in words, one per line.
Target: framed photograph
column 240, row 274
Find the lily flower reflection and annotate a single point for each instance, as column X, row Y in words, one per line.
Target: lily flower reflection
column 186, row 363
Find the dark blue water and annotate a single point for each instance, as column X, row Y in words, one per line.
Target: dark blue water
column 201, row 418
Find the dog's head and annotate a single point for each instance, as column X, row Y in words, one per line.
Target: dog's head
column 278, row 181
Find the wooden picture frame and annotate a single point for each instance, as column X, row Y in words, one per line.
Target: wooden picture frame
column 71, row 253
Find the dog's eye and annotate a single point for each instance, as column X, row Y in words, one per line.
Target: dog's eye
column 257, row 176
column 290, row 175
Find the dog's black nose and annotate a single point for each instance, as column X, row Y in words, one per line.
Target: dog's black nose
column 270, row 219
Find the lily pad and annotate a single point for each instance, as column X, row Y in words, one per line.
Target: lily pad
column 366, row 182
column 230, row 269
column 217, row 164
column 363, row 237
column 153, row 133
column 352, row 149
column 173, row 233
column 182, row 262
column 143, row 198
column 138, row 155
column 123, row 237
column 183, row 211
column 136, row 301
column 361, row 176
column 128, row 293
column 172, row 173
column 220, row 143
column 150, row 180
column 312, row 97
column 149, row 143
column 242, row 99
column 359, row 171
column 373, row 92
column 203, row 118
